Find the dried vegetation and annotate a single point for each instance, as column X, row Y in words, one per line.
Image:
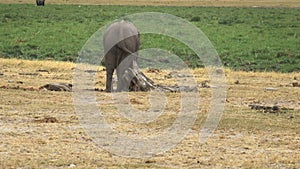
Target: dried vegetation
column 40, row 128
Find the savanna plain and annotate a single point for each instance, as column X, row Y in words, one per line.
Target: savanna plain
column 259, row 47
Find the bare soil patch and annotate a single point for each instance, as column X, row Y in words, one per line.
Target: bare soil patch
column 220, row 3
column 40, row 128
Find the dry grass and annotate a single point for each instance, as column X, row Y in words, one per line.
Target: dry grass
column 239, row 3
column 40, row 129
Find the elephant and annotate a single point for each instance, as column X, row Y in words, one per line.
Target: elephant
column 40, row 2
column 121, row 42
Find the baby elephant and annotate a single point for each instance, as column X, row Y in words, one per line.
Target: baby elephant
column 121, row 44
column 40, row 2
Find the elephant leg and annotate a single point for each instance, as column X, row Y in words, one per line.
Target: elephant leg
column 109, row 76
column 123, row 84
column 110, row 65
column 120, row 84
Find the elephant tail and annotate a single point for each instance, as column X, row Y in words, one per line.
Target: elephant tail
column 127, row 50
column 134, row 54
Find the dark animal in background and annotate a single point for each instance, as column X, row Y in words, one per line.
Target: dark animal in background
column 40, row 2
column 121, row 43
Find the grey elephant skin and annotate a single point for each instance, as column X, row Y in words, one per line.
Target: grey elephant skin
column 40, row 2
column 121, row 44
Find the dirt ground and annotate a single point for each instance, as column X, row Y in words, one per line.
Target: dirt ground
column 40, row 128
column 239, row 3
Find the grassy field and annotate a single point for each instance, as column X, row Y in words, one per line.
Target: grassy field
column 249, row 39
column 40, row 129
column 218, row 3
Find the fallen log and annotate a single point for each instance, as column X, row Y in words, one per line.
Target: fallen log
column 269, row 109
column 139, row 82
column 57, row 87
column 136, row 80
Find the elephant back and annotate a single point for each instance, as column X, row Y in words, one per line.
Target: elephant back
column 121, row 33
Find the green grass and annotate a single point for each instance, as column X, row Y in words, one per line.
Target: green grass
column 251, row 39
